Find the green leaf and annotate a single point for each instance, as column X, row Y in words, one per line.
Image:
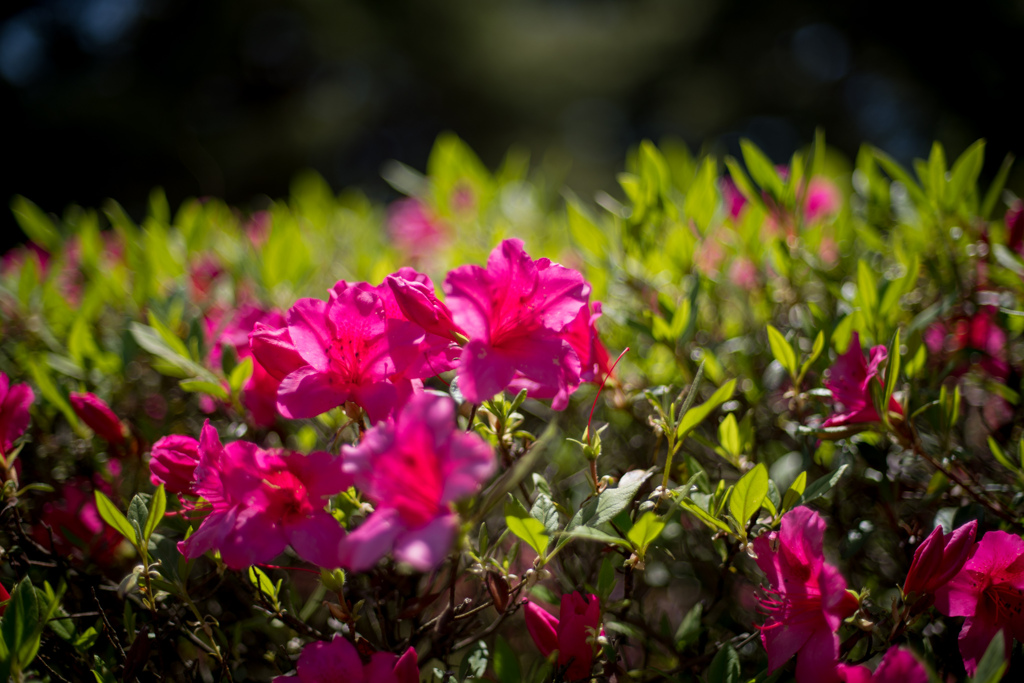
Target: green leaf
column 152, row 341
column 761, row 168
column 819, row 346
column 606, row 578
column 689, row 628
column 996, row 188
column 993, row 663
column 20, row 622
column 748, row 495
column 36, row 224
column 645, row 531
column 199, row 386
column 544, row 511
column 725, row 667
column 867, row 291
column 729, row 435
column 44, row 382
column 703, row 516
column 474, row 664
column 796, row 489
column 999, row 455
column 240, row 374
column 611, row 502
column 695, row 416
column 965, row 171
column 743, row 183
column 896, row 172
column 506, row 663
column 589, row 533
column 892, row 373
column 782, row 351
column 530, row 530
column 112, row 516
column 138, row 517
column 156, row 513
column 822, row 486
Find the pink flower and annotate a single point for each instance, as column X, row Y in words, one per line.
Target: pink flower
column 515, row 313
column 416, row 232
column 969, row 341
column 733, row 198
column 572, row 634
column 338, row 660
column 412, row 469
column 897, row 666
column 259, row 395
column 173, row 463
column 347, row 351
column 357, row 346
column 77, row 526
column 4, row 596
column 850, row 384
column 264, row 500
column 939, row 558
column 93, row 411
column 582, row 335
column 807, row 601
column 14, row 402
column 989, row 591
column 823, row 199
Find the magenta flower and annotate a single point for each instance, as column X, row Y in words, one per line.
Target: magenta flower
column 939, row 558
column 989, row 591
column 264, row 500
column 93, row 411
column 338, row 660
column 897, row 666
column 823, row 199
column 850, row 384
column 76, row 526
column 347, row 351
column 415, row 231
column 515, row 313
column 412, row 469
column 573, row 634
column 807, row 600
column 969, row 341
column 4, row 596
column 14, row 402
column 259, row 395
column 173, row 463
column 357, row 346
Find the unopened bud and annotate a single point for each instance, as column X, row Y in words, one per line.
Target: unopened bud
column 333, row 580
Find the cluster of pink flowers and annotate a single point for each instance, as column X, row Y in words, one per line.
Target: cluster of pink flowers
column 808, row 600
column 412, row 467
column 522, row 323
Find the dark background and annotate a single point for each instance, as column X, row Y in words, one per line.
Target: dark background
column 109, row 98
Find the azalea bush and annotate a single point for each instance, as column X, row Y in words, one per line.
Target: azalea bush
column 738, row 422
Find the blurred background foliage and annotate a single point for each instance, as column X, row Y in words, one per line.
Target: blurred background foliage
column 109, row 98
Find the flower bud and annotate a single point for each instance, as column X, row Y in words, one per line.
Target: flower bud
column 93, row 411
column 333, row 580
column 173, row 462
column 421, row 306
